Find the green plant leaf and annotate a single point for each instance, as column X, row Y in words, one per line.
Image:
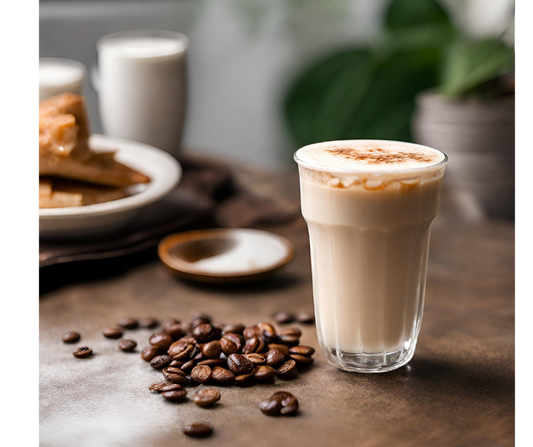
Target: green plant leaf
column 469, row 64
column 407, row 13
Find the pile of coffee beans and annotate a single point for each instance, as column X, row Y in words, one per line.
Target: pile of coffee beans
column 198, row 351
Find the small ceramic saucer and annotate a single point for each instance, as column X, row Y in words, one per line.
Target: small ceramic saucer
column 225, row 255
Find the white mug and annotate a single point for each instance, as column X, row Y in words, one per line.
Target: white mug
column 58, row 75
column 141, row 84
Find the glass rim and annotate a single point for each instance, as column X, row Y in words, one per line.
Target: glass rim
column 175, row 35
column 317, row 167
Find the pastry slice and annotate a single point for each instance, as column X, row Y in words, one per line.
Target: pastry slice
column 62, row 193
column 64, row 150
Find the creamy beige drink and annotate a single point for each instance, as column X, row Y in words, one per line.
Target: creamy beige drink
column 369, row 205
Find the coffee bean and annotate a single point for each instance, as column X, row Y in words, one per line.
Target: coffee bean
column 204, row 332
column 222, row 375
column 254, row 344
column 161, row 361
column 212, row 349
column 240, row 365
column 255, row 358
column 302, row 350
column 231, row 344
column 162, row 340
column 150, row 352
column 177, row 364
column 127, row 345
column 302, row 360
column 288, row 369
column 281, row 402
column 82, row 352
column 233, row 329
column 71, row 337
column 291, row 331
column 274, row 357
column 201, row 373
column 148, row 323
column 187, row 366
column 283, row 318
column 284, row 349
column 174, row 394
column 164, row 386
column 264, row 372
column 191, row 325
column 176, row 330
column 290, row 340
column 175, row 375
column 243, row 378
column 206, row 397
column 128, row 323
column 251, row 331
column 305, row 317
column 213, row 362
column 112, row 332
column 267, row 332
column 197, row 430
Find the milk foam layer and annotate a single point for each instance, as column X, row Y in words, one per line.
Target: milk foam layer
column 143, row 47
column 368, row 156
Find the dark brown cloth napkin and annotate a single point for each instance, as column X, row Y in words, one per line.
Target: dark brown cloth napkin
column 206, row 197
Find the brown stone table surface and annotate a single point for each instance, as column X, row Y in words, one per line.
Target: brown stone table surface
column 457, row 391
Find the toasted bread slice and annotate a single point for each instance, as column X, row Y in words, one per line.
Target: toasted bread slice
column 64, row 150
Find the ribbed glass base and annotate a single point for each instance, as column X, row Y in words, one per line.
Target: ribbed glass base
column 369, row 363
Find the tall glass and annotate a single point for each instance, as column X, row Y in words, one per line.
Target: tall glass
column 369, row 236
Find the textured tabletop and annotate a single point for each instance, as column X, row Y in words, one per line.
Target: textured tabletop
column 457, row 391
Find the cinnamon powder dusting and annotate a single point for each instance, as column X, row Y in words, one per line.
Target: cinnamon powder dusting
column 378, row 156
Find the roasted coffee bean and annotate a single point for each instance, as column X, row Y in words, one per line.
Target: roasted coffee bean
column 291, row 331
column 212, row 350
column 289, row 340
column 240, row 365
column 112, row 332
column 71, row 337
column 243, row 378
column 201, row 373
column 162, row 340
column 233, row 329
column 213, row 362
column 128, row 323
column 197, row 430
column 204, row 332
column 281, row 402
column 199, row 357
column 176, row 364
column 231, row 344
column 302, row 350
column 284, row 349
column 150, row 352
column 127, row 345
column 287, row 369
column 254, row 344
column 283, row 318
column 174, row 394
column 274, row 357
column 264, row 372
column 181, row 351
column 188, row 339
column 267, row 332
column 161, row 361
column 206, row 397
column 82, row 352
column 175, row 375
column 164, row 386
column 176, row 331
column 305, row 317
column 251, row 331
column 191, row 325
column 302, row 360
column 148, row 323
column 222, row 375
column 255, row 358
column 187, row 366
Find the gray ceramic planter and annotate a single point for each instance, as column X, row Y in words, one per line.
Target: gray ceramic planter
column 478, row 136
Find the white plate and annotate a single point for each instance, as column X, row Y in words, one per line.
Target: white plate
column 82, row 221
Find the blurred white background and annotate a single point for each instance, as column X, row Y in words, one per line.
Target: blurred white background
column 242, row 55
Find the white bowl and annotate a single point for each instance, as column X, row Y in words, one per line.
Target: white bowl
column 85, row 221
